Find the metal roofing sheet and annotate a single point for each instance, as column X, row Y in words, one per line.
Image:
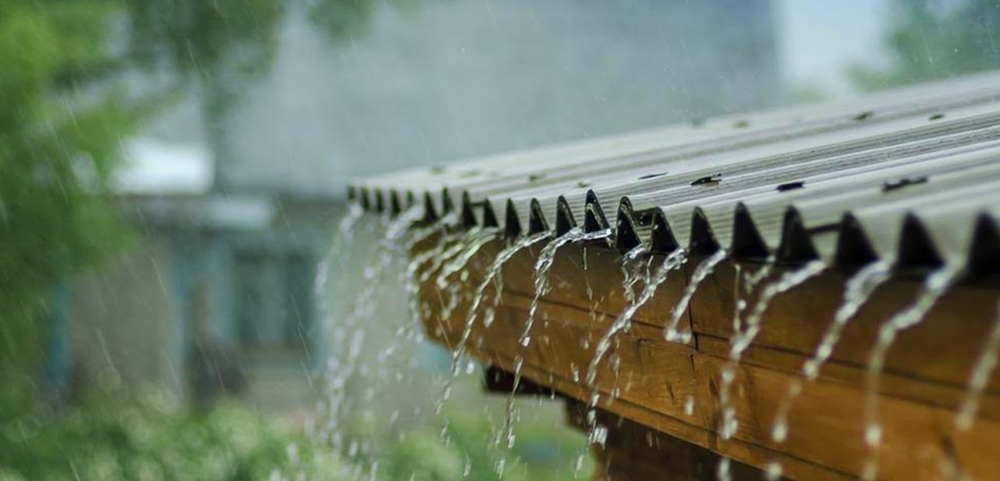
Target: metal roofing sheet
column 911, row 175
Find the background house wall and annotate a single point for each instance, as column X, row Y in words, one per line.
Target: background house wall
column 126, row 316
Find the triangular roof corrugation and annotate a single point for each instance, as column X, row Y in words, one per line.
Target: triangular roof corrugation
column 911, row 175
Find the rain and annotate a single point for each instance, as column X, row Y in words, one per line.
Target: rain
column 498, row 240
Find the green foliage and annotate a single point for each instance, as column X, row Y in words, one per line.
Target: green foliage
column 154, row 439
column 58, row 135
column 931, row 40
column 540, row 452
column 122, row 440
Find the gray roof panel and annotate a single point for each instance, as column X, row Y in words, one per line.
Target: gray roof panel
column 911, row 175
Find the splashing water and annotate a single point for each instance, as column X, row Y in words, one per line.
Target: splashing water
column 704, row 269
column 742, row 340
column 544, row 264
column 980, row 376
column 935, row 286
column 858, row 289
column 633, row 271
column 672, row 262
column 464, row 251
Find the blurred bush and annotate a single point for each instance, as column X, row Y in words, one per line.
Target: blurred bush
column 105, row 438
column 157, row 439
column 468, row 451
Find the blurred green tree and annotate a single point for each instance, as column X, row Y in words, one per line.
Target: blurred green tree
column 931, row 40
column 78, row 77
column 63, row 111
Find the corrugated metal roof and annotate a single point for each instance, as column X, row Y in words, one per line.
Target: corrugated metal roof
column 911, row 175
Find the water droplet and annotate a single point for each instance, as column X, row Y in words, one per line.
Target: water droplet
column 773, row 472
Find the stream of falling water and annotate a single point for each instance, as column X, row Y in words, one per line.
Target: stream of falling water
column 598, row 434
column 351, row 336
column 493, row 275
column 704, row 269
column 460, row 257
column 979, row 377
column 409, row 329
column 342, row 240
column 672, row 262
column 474, row 240
column 542, row 266
column 724, row 471
column 742, row 340
column 858, row 289
column 935, row 286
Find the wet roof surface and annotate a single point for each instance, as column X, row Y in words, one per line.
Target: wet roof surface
column 910, row 175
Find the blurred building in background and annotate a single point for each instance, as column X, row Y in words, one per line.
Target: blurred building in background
column 235, row 212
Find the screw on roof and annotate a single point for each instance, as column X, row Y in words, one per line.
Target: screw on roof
column 652, row 176
column 708, row 180
column 889, row 186
column 798, row 184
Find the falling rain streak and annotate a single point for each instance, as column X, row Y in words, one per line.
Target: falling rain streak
column 544, row 264
column 493, row 274
column 935, row 286
column 857, row 291
column 742, row 339
column 598, row 434
column 704, row 269
column 980, row 376
column 672, row 262
column 542, row 267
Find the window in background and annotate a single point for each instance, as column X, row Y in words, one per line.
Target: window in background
column 274, row 301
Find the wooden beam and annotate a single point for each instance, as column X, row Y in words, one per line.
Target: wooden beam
column 674, row 388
